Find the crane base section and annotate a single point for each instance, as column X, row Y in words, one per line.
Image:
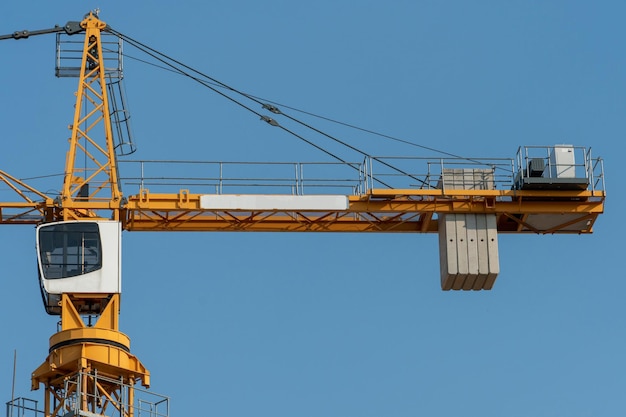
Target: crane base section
column 90, row 394
column 107, row 356
column 88, row 354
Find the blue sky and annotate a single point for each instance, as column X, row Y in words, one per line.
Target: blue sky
column 240, row 324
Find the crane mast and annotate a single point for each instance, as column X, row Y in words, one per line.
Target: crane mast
column 90, row 366
column 94, row 185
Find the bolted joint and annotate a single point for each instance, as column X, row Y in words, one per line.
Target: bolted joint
column 21, row 34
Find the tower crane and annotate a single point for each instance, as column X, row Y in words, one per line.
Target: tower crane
column 90, row 369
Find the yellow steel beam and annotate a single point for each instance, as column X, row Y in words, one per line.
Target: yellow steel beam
column 387, row 211
column 78, row 347
column 424, row 201
column 380, row 211
column 91, row 111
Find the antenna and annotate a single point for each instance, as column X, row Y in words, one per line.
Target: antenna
column 13, row 383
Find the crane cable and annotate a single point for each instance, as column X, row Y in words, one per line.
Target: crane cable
column 153, row 53
column 274, row 109
column 317, row 116
column 165, row 59
column 325, row 118
column 213, row 84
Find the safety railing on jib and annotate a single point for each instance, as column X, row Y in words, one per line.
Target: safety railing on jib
column 534, row 167
column 210, row 177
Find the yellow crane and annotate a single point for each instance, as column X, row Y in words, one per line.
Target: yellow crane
column 90, row 369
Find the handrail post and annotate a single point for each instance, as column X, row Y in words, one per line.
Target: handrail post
column 368, row 158
column 141, row 174
column 220, row 190
column 442, row 177
column 589, row 168
column 296, row 189
column 301, row 166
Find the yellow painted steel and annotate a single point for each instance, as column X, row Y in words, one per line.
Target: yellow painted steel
column 379, row 211
column 91, row 115
column 79, row 348
column 25, row 211
column 86, row 195
column 405, row 211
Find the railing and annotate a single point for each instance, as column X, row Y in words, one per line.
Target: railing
column 69, row 55
column 294, row 178
column 561, row 162
column 142, row 403
column 299, row 178
column 23, row 407
column 427, row 173
column 335, row 178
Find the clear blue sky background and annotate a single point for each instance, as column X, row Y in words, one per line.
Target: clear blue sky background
column 345, row 325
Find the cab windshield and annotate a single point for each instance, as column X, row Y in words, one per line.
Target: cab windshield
column 69, row 249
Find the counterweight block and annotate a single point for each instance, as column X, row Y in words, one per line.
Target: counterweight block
column 468, row 243
column 468, row 251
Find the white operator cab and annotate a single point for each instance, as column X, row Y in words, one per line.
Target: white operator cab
column 78, row 257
